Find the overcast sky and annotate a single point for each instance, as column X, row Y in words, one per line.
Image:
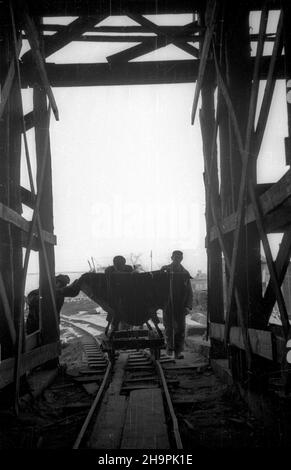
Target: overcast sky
column 127, row 166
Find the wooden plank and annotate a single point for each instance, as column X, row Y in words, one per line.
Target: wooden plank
column 54, row 27
column 269, row 201
column 50, row 323
column 209, row 128
column 107, row 431
column 150, row 72
column 29, row 361
column 261, row 340
column 145, row 424
column 128, row 39
column 67, row 34
column 121, row 7
column 12, row 217
column 114, row 7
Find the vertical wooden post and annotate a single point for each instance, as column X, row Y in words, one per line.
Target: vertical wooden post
column 215, row 285
column 287, row 46
column 239, row 72
column 248, row 279
column 15, row 199
column 10, row 236
column 50, row 331
column 5, row 239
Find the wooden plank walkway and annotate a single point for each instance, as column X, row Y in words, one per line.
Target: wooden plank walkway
column 145, row 425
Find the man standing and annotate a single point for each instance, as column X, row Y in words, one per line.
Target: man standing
column 178, row 305
column 32, row 322
column 119, row 266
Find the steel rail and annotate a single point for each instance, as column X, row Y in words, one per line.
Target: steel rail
column 175, row 425
column 93, row 408
column 164, row 386
column 99, row 395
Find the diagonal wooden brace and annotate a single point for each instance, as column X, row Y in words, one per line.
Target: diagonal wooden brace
column 150, row 44
column 212, row 8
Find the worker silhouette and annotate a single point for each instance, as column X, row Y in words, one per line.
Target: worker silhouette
column 119, row 266
column 32, row 322
column 178, row 305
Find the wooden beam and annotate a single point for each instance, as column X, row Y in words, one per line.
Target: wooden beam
column 121, row 7
column 72, row 32
column 132, row 73
column 50, row 315
column 261, row 341
column 29, row 361
column 117, row 29
column 8, row 135
column 12, row 217
column 107, row 38
column 152, row 72
column 269, row 201
column 115, row 7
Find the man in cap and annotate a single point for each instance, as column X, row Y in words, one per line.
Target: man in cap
column 178, row 305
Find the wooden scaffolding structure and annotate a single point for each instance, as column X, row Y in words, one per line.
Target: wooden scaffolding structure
column 239, row 212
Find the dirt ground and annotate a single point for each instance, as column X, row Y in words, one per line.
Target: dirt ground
column 209, row 412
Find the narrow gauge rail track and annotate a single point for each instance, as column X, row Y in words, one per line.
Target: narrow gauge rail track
column 133, row 371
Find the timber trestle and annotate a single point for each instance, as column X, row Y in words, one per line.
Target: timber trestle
column 230, row 62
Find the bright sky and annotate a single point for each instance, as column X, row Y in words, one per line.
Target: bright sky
column 128, row 165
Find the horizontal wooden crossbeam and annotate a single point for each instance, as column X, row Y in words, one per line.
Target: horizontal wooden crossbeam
column 138, row 73
column 29, row 360
column 117, row 29
column 108, row 38
column 269, row 201
column 120, row 7
column 12, row 217
column 261, row 341
column 120, row 74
